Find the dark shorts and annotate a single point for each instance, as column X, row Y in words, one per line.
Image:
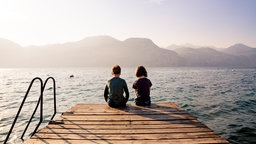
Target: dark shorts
column 144, row 103
column 114, row 105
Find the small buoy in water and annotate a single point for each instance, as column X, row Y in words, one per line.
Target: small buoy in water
column 71, row 76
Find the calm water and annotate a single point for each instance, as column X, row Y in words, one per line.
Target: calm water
column 223, row 99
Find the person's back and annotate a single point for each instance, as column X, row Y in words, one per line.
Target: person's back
column 115, row 88
column 142, row 87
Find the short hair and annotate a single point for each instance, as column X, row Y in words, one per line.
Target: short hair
column 141, row 71
column 116, row 69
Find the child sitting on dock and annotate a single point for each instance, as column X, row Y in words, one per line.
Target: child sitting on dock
column 115, row 88
column 142, row 87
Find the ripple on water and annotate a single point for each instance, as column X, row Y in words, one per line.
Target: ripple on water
column 243, row 135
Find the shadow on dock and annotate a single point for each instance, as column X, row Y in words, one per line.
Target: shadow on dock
column 98, row 123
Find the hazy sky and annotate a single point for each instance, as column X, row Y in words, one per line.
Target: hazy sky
column 219, row 23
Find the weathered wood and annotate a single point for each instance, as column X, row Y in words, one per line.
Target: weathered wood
column 169, row 141
column 79, row 136
column 126, row 117
column 98, row 123
column 125, row 130
column 124, row 126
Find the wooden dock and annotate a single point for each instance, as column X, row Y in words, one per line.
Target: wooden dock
column 100, row 124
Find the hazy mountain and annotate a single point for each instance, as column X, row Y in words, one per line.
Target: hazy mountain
column 10, row 53
column 106, row 51
column 240, row 50
column 174, row 46
column 247, row 54
column 208, row 57
column 144, row 51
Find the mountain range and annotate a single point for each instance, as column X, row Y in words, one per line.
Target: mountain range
column 107, row 51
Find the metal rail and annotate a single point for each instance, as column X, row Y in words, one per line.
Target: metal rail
column 40, row 101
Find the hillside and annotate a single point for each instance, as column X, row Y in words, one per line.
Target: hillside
column 106, row 51
column 240, row 50
column 208, row 57
column 10, row 53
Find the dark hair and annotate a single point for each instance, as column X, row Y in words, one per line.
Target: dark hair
column 116, row 69
column 141, row 71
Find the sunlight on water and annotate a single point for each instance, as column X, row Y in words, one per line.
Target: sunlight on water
column 223, row 99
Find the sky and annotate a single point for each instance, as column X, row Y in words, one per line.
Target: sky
column 218, row 23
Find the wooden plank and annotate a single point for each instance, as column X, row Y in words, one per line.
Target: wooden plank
column 98, row 123
column 99, row 108
column 121, row 126
column 170, row 141
column 92, row 136
column 125, row 130
column 128, row 117
column 138, row 122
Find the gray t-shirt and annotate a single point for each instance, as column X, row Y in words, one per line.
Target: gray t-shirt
column 114, row 91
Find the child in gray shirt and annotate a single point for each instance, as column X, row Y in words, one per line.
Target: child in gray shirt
column 115, row 89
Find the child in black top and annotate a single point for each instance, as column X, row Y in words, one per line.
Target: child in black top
column 142, row 87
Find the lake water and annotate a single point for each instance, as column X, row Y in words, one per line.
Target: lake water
column 224, row 99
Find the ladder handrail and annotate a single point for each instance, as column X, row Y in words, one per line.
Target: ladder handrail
column 54, row 94
column 41, row 108
column 40, row 101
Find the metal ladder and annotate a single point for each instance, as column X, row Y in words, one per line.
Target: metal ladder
column 39, row 102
